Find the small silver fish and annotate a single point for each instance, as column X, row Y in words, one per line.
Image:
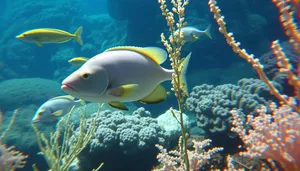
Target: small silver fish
column 55, row 107
column 192, row 34
column 123, row 74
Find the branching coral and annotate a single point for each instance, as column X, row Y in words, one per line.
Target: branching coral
column 10, row 159
column 283, row 61
column 173, row 160
column 274, row 136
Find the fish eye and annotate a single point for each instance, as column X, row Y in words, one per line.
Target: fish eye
column 85, row 75
column 24, row 35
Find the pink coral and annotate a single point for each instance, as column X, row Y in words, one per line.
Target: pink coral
column 274, row 136
column 11, row 159
column 173, row 160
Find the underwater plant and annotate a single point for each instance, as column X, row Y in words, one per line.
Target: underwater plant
column 58, row 156
column 173, row 47
column 275, row 135
column 10, row 159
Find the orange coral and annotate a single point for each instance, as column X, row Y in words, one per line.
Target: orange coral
column 10, row 159
column 254, row 61
column 275, row 135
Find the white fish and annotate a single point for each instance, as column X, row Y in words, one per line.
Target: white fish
column 192, row 34
column 55, row 107
column 123, row 74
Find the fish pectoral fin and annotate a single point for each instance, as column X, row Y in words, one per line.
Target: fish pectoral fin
column 158, row 95
column 57, row 113
column 39, row 44
column 123, row 91
column 118, row 105
column 195, row 38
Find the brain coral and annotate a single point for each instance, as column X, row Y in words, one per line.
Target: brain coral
column 212, row 104
column 16, row 93
column 131, row 133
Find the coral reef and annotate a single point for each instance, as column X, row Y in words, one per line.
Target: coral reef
column 132, row 133
column 212, row 104
column 275, row 135
column 169, row 123
column 10, row 159
column 124, row 142
column 16, row 93
column 173, row 160
column 274, row 132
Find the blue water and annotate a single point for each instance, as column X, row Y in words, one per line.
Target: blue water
column 110, row 23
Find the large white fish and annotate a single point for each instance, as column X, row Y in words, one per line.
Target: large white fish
column 192, row 34
column 55, row 107
column 123, row 74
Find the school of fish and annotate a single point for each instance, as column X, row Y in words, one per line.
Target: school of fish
column 117, row 75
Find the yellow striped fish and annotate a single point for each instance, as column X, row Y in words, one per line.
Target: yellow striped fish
column 49, row 35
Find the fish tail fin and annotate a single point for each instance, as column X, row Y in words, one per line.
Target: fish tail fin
column 77, row 36
column 184, row 66
column 207, row 31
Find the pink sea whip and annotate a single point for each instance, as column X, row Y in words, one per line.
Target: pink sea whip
column 274, row 136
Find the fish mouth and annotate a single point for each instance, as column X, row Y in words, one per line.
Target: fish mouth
column 72, row 91
column 20, row 36
column 67, row 87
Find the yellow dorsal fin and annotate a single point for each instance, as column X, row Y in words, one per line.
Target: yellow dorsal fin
column 159, row 94
column 68, row 97
column 158, row 55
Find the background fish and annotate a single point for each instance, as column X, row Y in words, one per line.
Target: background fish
column 192, row 34
column 55, row 107
column 78, row 61
column 122, row 74
column 48, row 35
